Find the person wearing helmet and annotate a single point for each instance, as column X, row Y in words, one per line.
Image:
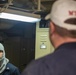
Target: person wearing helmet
column 6, row 68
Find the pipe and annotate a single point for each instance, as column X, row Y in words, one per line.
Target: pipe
column 39, row 5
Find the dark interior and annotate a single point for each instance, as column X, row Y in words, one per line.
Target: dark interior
column 19, row 42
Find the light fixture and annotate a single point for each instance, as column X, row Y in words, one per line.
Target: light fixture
column 19, row 16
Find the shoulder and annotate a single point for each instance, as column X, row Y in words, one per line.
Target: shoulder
column 44, row 61
column 36, row 65
column 42, row 65
column 12, row 68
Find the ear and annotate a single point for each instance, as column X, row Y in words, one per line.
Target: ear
column 52, row 28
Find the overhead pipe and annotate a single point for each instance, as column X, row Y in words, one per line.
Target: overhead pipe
column 39, row 5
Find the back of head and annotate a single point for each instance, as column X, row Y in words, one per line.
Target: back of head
column 63, row 15
column 63, row 10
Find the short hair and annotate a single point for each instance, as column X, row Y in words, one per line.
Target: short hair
column 64, row 32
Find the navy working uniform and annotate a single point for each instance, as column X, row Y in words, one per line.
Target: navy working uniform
column 10, row 70
column 62, row 35
column 61, row 62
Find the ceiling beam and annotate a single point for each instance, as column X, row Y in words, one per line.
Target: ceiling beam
column 46, row 0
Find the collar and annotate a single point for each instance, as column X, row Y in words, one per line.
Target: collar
column 69, row 45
